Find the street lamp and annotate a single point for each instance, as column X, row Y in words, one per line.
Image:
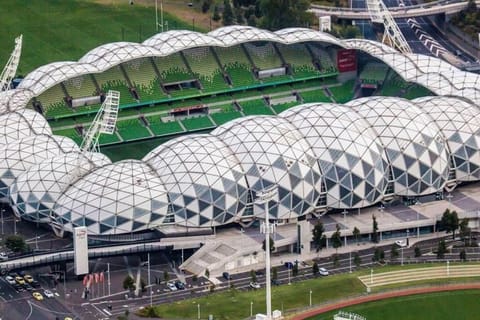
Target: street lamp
column 310, row 298
column 251, row 309
column 198, row 310
column 2, row 211
column 264, row 197
column 371, row 276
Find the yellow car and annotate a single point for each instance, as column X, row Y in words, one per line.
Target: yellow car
column 28, row 278
column 19, row 280
column 38, row 296
column 67, row 318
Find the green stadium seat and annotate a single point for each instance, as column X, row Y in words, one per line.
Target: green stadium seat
column 236, row 65
column 132, row 129
column 206, row 69
column 255, row 107
column 144, row 79
column 197, row 123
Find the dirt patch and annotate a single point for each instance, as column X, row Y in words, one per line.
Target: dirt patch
column 179, row 8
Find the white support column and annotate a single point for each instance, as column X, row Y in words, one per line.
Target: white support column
column 263, row 198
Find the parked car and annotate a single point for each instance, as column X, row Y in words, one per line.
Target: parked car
column 28, row 287
column 28, row 278
column 288, row 265
column 48, row 294
column 255, row 285
column 401, row 243
column 227, row 276
column 35, row 284
column 19, row 280
column 323, row 272
column 37, row 296
column 18, row 287
column 3, row 256
column 10, row 279
column 171, row 286
column 180, row 285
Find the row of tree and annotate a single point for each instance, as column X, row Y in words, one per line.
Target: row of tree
column 267, row 14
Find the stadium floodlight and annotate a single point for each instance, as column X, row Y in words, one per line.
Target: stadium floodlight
column 10, row 69
column 104, row 122
column 392, row 35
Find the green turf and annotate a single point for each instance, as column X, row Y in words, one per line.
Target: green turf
column 61, row 30
column 438, row 306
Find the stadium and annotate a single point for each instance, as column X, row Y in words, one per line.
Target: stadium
column 292, row 109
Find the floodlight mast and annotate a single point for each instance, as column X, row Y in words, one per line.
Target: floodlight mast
column 10, row 69
column 392, row 35
column 104, row 122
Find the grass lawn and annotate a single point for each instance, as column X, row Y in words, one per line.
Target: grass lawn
column 236, row 304
column 59, row 30
column 438, row 306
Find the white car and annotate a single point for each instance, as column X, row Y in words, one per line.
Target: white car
column 172, row 286
column 3, row 256
column 48, row 294
column 10, row 280
column 255, row 285
column 323, row 272
column 401, row 243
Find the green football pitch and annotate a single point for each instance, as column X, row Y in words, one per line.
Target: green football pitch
column 65, row 30
column 435, row 306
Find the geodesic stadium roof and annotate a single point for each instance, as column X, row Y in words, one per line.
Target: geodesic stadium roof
column 415, row 146
column 122, row 197
column 35, row 191
column 204, row 180
column 459, row 121
column 20, row 124
column 22, row 154
column 15, row 99
column 272, row 151
column 438, row 76
column 348, row 152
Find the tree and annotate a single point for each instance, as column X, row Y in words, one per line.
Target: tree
column 166, row 276
column 393, row 252
column 227, row 13
column 356, row 234
column 279, row 14
column 441, row 250
column 449, row 221
column 207, row 273
column 465, row 231
column 295, row 269
column 253, row 276
column 206, row 5
column 216, row 14
column 128, row 283
column 336, row 260
column 336, row 238
column 375, row 229
column 274, row 273
column 16, row 243
column 317, row 233
column 272, row 245
column 463, row 255
column 357, row 260
column 315, row 269
column 418, row 252
column 378, row 255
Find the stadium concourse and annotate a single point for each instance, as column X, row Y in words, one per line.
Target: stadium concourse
column 322, row 156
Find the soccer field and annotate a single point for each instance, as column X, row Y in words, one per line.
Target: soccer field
column 438, row 306
column 65, row 30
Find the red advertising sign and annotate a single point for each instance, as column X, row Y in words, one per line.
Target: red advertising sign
column 346, row 60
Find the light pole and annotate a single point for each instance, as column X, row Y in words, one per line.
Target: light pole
column 371, row 276
column 310, row 298
column 264, row 197
column 198, row 311
column 251, row 309
column 2, row 211
column 149, row 283
column 402, row 255
column 289, row 283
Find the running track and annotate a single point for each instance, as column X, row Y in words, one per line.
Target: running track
column 381, row 296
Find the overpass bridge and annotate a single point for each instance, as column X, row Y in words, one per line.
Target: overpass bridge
column 426, row 9
column 56, row 257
